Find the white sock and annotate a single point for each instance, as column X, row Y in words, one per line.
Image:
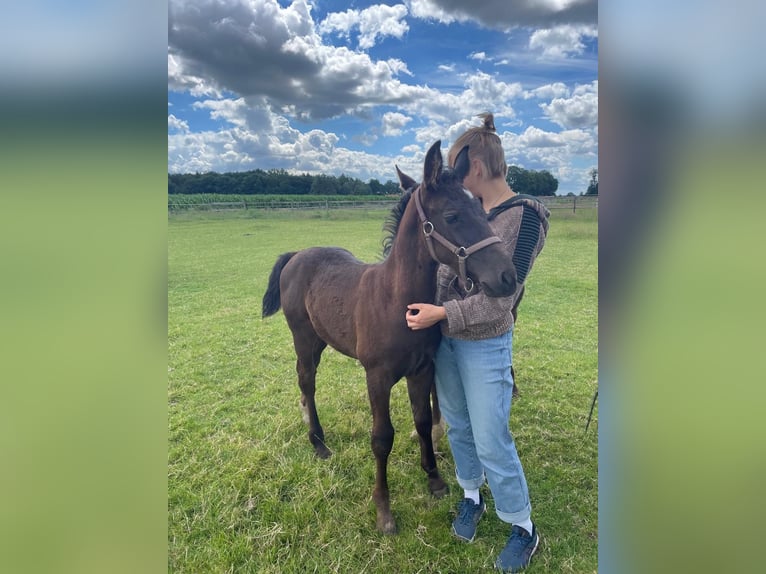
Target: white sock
column 526, row 525
column 472, row 494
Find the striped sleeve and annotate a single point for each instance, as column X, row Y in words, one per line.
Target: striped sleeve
column 529, row 235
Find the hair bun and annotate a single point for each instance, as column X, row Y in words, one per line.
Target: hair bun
column 489, row 121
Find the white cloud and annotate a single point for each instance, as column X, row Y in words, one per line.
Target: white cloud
column 393, row 122
column 561, row 41
column 411, row 149
column 560, row 153
column 367, row 139
column 177, row 125
column 259, row 48
column 267, row 140
column 374, row 22
column 548, row 91
column 428, row 10
column 232, row 111
column 581, row 89
column 578, row 111
column 505, row 14
column 535, row 137
column 260, row 68
column 180, row 80
column 482, row 92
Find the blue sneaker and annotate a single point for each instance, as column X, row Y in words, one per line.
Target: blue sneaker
column 468, row 515
column 519, row 550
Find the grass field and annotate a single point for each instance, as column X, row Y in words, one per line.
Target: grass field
column 245, row 491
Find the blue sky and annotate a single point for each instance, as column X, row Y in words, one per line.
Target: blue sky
column 334, row 87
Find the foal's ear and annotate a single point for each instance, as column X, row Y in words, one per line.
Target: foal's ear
column 462, row 164
column 433, row 166
column 405, row 181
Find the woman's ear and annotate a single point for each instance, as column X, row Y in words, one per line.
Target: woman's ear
column 477, row 168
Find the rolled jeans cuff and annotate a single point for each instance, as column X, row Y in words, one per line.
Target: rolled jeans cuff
column 514, row 517
column 470, row 484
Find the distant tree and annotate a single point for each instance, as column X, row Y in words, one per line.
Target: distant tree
column 175, row 183
column 376, row 188
column 324, row 185
column 517, row 178
column 274, row 181
column 391, row 188
column 345, row 185
column 253, row 182
column 358, row 187
column 531, row 182
column 593, row 186
column 206, row 183
column 546, row 183
column 302, row 183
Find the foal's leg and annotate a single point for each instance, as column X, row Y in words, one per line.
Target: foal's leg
column 309, row 349
column 515, row 391
column 438, row 426
column 379, row 391
column 419, row 389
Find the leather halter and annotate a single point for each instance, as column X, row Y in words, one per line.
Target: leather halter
column 461, row 253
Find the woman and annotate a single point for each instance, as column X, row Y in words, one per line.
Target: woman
column 473, row 363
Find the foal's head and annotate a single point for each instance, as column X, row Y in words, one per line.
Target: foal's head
column 452, row 213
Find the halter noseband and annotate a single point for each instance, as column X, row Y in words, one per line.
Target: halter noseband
column 461, row 253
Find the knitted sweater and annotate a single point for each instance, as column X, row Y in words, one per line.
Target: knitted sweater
column 522, row 224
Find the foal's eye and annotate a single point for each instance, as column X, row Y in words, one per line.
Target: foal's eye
column 450, row 218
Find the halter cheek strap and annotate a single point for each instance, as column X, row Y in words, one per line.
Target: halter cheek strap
column 461, row 253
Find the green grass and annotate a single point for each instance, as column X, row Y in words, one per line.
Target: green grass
column 245, row 491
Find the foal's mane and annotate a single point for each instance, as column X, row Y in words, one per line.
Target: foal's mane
column 393, row 219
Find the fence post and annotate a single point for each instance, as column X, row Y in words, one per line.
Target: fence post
column 574, row 204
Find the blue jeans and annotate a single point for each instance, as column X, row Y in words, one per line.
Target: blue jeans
column 474, row 385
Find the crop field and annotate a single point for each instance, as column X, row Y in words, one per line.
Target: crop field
column 179, row 201
column 245, row 491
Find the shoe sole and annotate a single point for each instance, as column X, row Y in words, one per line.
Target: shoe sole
column 537, row 544
column 531, row 554
column 469, row 540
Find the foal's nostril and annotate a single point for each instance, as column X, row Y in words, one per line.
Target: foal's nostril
column 509, row 279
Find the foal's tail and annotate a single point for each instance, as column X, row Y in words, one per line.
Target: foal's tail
column 271, row 299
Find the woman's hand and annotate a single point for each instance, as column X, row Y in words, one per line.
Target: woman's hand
column 423, row 315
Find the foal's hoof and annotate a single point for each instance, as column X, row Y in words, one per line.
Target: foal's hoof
column 387, row 526
column 317, row 441
column 322, row 451
column 440, row 490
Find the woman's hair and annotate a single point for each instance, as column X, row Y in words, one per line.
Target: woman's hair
column 483, row 144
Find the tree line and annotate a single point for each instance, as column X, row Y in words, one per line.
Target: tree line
column 531, row 182
column 279, row 181
column 275, row 181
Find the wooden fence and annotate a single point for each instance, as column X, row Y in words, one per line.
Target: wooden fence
column 572, row 203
